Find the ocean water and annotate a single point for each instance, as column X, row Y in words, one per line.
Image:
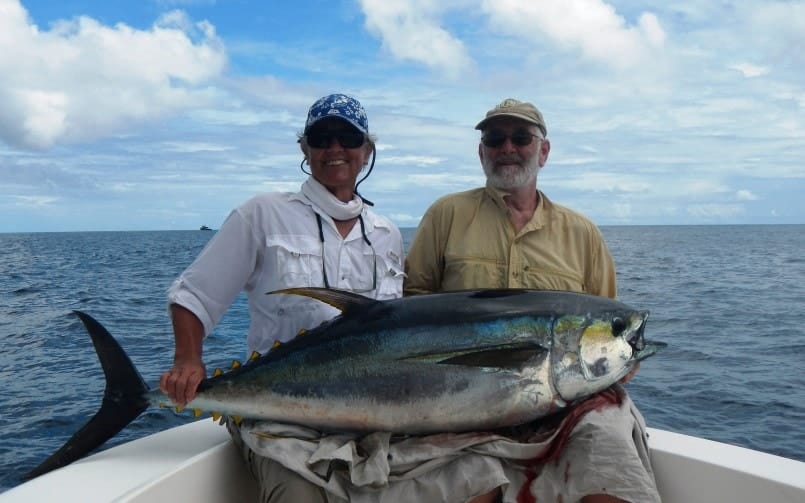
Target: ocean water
column 729, row 301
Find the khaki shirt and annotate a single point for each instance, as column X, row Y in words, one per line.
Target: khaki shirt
column 466, row 241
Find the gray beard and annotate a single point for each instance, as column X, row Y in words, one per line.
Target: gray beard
column 511, row 179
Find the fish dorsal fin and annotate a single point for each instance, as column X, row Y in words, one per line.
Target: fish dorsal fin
column 340, row 299
column 502, row 357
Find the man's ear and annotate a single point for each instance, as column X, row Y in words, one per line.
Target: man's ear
column 545, row 149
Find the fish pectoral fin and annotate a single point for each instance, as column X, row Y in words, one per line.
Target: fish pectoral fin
column 342, row 300
column 650, row 349
column 503, row 358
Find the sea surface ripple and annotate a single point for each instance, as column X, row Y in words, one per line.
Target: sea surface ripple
column 729, row 301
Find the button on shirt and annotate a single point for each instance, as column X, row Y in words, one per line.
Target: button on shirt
column 466, row 240
column 272, row 242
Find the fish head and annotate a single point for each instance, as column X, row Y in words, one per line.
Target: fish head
column 593, row 351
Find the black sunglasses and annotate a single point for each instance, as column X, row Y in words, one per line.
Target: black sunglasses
column 496, row 138
column 346, row 138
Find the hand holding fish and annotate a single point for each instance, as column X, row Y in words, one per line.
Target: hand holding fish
column 628, row 377
column 182, row 380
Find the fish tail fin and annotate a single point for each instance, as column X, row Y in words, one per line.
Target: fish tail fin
column 123, row 401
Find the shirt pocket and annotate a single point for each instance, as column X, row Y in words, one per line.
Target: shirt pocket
column 390, row 275
column 294, row 260
column 461, row 273
column 546, row 279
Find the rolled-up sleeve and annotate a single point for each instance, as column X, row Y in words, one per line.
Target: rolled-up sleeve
column 210, row 284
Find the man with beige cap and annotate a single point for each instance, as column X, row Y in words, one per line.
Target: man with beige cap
column 508, row 234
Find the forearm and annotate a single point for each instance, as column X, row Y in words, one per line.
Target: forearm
column 188, row 333
column 181, row 381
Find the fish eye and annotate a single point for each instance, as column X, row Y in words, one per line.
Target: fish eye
column 618, row 326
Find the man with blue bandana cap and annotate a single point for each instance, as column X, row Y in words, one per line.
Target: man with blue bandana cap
column 325, row 235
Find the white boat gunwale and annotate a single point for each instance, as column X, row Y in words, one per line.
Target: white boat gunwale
column 197, row 462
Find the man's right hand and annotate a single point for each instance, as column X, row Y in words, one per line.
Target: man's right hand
column 182, row 380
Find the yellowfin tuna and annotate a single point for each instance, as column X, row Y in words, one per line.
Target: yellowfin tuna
column 413, row 365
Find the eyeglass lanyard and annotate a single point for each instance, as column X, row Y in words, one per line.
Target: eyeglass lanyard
column 321, row 239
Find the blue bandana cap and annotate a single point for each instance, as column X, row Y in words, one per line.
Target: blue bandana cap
column 340, row 106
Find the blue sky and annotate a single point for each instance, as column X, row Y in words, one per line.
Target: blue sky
column 166, row 114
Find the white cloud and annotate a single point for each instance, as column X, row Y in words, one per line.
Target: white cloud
column 783, row 24
column 697, row 188
column 123, row 187
column 592, row 27
column 405, row 219
column 602, row 182
column 444, row 180
column 660, row 116
column 35, row 201
column 81, row 80
column 745, row 195
column 194, row 147
column 184, row 3
column 413, row 160
column 410, row 30
column 620, row 211
column 749, row 70
column 715, row 211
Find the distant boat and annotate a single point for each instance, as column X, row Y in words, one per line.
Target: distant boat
column 204, row 228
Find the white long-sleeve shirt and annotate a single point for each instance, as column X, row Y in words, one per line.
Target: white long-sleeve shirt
column 272, row 242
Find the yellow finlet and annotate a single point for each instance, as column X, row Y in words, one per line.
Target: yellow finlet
column 302, row 331
column 235, row 364
column 255, row 355
column 216, row 416
column 179, row 409
column 217, row 372
column 197, row 412
column 276, row 345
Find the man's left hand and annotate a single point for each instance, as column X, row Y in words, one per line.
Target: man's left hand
column 628, row 377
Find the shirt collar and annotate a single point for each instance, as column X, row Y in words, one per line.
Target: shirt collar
column 370, row 218
column 537, row 221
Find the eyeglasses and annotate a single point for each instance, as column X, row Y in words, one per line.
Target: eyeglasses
column 365, row 240
column 496, row 138
column 346, row 138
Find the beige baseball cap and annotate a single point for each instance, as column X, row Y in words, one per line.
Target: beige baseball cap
column 517, row 109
